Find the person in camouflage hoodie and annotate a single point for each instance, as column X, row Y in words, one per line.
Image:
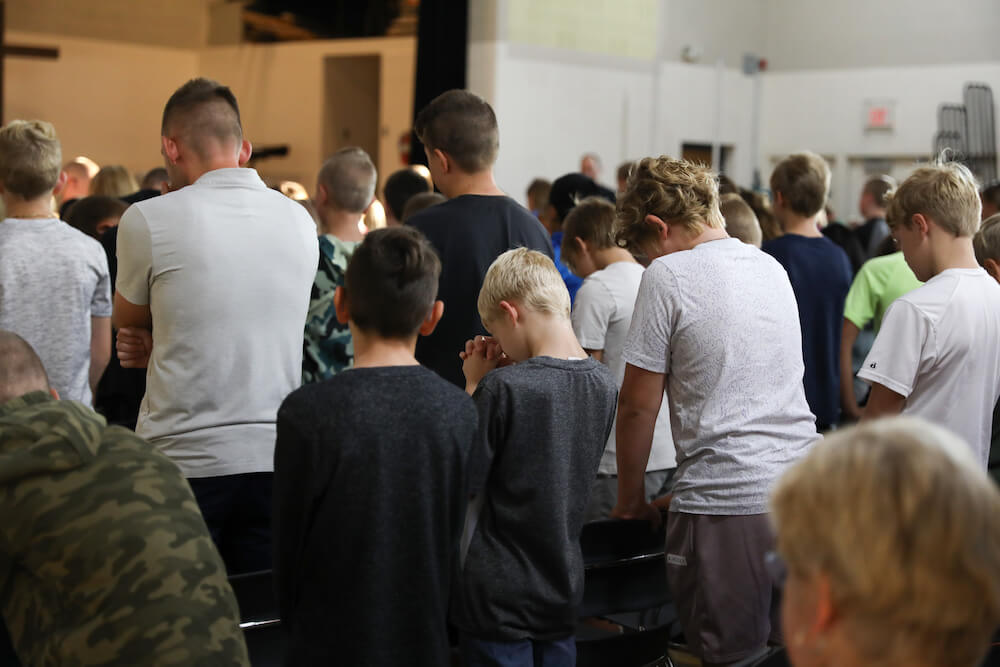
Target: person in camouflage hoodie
column 104, row 556
column 345, row 189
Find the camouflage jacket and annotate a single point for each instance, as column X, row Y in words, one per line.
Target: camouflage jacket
column 104, row 556
column 327, row 348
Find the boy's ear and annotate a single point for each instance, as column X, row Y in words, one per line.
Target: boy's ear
column 993, row 268
column 321, row 195
column 510, row 311
column 433, row 317
column 921, row 222
column 60, row 183
column 170, row 149
column 341, row 306
column 581, row 246
column 446, row 165
column 246, row 150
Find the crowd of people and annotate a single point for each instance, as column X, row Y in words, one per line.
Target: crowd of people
column 410, row 425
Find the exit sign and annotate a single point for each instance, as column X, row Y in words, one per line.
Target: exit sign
column 880, row 114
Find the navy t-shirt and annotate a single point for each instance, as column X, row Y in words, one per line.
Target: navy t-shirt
column 820, row 274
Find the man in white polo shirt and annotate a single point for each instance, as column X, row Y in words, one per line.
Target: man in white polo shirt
column 212, row 293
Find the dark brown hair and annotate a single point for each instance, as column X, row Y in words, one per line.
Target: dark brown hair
column 463, row 126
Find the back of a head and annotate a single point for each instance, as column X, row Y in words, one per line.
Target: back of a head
column 87, row 213
column 906, row 526
column 400, row 186
column 421, row 201
column 154, row 178
column 624, row 169
column 945, row 192
column 528, row 277
column 990, row 196
column 113, row 181
column 569, row 189
column 741, row 222
column 538, row 193
column 462, row 125
column 803, row 180
column 21, row 371
column 200, row 111
column 349, row 178
column 391, row 282
column 986, row 242
column 30, row 158
column 878, row 188
column 592, row 221
column 676, row 191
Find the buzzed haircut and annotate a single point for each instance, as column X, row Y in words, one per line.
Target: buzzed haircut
column 538, row 191
column 153, row 178
column 991, row 195
column 741, row 221
column 593, row 221
column 400, row 186
column 391, row 282
column 878, row 188
column 30, row 156
column 77, row 168
column 803, row 180
column 21, row 371
column 85, row 214
column 421, row 201
column 462, row 125
column 349, row 177
column 202, row 109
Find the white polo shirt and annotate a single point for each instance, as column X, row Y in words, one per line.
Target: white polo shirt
column 226, row 265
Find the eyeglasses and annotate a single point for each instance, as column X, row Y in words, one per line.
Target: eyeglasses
column 776, row 567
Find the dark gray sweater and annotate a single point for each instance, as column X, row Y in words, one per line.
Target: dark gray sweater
column 369, row 495
column 543, row 424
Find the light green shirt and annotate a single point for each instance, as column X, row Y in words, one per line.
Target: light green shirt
column 879, row 282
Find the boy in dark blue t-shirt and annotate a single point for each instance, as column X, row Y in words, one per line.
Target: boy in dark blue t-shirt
column 820, row 273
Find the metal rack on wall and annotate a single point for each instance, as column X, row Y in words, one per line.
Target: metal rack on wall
column 969, row 129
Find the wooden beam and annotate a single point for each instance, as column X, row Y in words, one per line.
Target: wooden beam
column 46, row 52
column 281, row 29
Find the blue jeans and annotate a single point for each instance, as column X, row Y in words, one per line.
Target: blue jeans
column 237, row 510
column 522, row 653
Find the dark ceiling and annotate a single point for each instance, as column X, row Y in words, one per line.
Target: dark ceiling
column 335, row 18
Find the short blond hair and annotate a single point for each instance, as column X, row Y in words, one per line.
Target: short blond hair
column 30, row 158
column 676, row 191
column 945, row 192
column 986, row 242
column 906, row 525
column 527, row 277
column 113, row 181
column 803, row 179
column 741, row 221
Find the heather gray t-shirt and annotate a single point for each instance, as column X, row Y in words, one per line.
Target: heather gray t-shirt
column 722, row 322
column 53, row 279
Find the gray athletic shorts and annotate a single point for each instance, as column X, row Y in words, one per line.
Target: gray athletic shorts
column 724, row 595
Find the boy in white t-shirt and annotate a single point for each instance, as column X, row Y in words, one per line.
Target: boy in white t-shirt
column 716, row 325
column 937, row 354
column 602, row 313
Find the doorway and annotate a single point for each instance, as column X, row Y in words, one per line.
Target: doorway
column 352, row 113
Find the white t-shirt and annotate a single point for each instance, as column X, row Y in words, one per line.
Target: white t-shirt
column 602, row 313
column 722, row 322
column 53, row 279
column 939, row 346
column 226, row 266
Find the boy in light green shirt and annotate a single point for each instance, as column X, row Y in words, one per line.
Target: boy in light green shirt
column 879, row 282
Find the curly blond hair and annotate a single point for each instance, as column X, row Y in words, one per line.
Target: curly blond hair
column 906, row 525
column 676, row 191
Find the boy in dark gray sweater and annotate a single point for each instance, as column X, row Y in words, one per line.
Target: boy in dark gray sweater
column 370, row 477
column 543, row 422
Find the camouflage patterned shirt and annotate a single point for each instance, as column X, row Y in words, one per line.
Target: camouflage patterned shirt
column 327, row 348
column 104, row 556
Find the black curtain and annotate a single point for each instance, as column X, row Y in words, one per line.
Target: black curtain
column 442, row 41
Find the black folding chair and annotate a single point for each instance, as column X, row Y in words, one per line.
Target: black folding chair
column 259, row 618
column 625, row 574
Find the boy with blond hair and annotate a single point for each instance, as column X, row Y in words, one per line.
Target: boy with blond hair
column 741, row 221
column 55, row 291
column 602, row 313
column 543, row 423
column 715, row 325
column 820, row 273
column 937, row 354
column 370, row 476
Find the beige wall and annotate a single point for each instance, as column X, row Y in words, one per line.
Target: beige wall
column 106, row 98
column 280, row 89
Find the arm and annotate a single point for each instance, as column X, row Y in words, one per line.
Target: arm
column 883, row 402
column 100, row 349
column 135, row 340
column 848, row 401
column 596, row 354
column 638, row 404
